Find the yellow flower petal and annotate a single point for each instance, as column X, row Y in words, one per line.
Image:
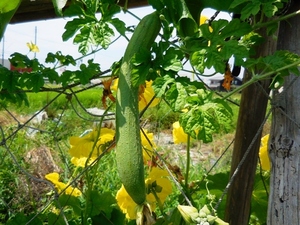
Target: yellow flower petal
column 178, row 134
column 32, row 47
column 60, row 186
column 126, row 204
column 156, row 176
column 203, row 19
column 159, row 176
column 146, row 93
column 263, row 153
column 145, row 96
column 81, row 147
column 80, row 162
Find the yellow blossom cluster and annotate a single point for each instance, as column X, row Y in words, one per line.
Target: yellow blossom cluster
column 89, row 146
column 158, row 185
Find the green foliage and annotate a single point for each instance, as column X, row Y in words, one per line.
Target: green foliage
column 7, row 10
column 92, row 31
column 252, row 8
column 59, row 5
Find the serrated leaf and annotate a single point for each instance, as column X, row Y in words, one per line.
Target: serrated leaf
column 176, row 96
column 206, row 117
column 162, row 84
column 119, row 25
column 103, row 34
column 85, row 38
column 269, row 9
column 197, row 60
column 32, row 81
column 235, row 28
column 251, row 9
column 73, row 26
column 215, row 60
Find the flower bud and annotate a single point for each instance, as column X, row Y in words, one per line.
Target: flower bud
column 189, row 213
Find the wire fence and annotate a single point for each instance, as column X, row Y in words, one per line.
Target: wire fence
column 28, row 167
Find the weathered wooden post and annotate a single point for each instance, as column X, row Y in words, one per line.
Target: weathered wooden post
column 284, row 151
column 252, row 112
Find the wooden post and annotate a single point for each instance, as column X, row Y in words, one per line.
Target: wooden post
column 252, row 112
column 284, row 143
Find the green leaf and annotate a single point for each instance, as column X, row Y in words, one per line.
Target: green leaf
column 32, row 81
column 236, row 3
column 84, row 39
column 162, row 84
column 55, row 219
column 8, row 5
column 176, row 96
column 197, row 60
column 251, row 9
column 172, row 60
column 21, row 218
column 72, row 201
column 269, row 9
column 158, row 5
column 259, row 202
column 100, row 203
column 206, row 116
column 119, row 25
column 73, row 26
column 59, row 5
column 181, row 17
column 272, row 28
column 117, row 217
column 140, row 67
column 235, row 28
column 103, row 34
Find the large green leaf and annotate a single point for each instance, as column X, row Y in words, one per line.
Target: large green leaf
column 205, row 115
column 8, row 5
column 7, row 10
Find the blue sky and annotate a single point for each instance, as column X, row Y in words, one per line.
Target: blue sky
column 48, row 38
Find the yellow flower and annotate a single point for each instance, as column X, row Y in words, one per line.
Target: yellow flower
column 146, row 93
column 60, row 186
column 81, row 162
column 263, row 153
column 81, row 147
column 203, row 19
column 32, row 47
column 157, row 180
column 178, row 134
column 126, row 204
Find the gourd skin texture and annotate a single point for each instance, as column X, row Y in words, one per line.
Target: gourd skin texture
column 129, row 153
